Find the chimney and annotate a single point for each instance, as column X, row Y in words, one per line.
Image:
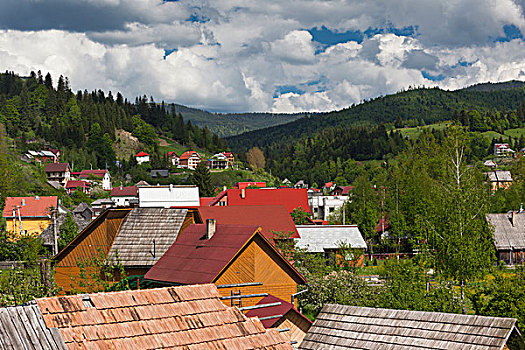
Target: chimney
column 243, row 193
column 210, row 228
column 513, row 218
column 23, row 202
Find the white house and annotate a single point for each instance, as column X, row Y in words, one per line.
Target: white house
column 125, row 196
column 168, row 196
column 100, row 174
column 189, row 160
column 322, row 206
column 142, row 157
column 218, row 161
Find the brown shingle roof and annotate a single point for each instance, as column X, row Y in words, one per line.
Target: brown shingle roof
column 342, row 327
column 188, row 317
column 56, row 167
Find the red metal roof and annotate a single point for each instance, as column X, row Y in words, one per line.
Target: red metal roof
column 268, row 217
column 241, row 185
column 96, row 172
column 142, row 154
column 291, row 198
column 187, row 155
column 194, row 260
column 129, row 191
column 33, row 207
column 282, row 309
column 79, row 183
column 204, row 201
column 56, row 167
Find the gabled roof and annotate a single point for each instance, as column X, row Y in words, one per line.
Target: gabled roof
column 499, row 176
column 342, row 327
column 317, row 238
column 142, row 154
column 192, row 259
column 345, row 190
column 506, row 234
column 56, row 167
column 146, row 234
column 129, row 191
column 77, row 183
column 282, row 309
column 96, row 172
column 22, row 327
column 172, row 154
column 187, row 317
column 267, row 217
column 30, row 206
column 188, row 154
column 291, row 198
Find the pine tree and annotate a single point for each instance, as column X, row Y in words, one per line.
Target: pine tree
column 202, row 179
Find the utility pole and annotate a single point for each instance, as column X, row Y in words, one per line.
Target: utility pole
column 55, row 238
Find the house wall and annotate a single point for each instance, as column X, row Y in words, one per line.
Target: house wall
column 298, row 326
column 516, row 257
column 33, row 226
column 256, row 264
column 98, row 236
column 122, row 201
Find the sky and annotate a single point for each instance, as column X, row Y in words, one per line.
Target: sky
column 264, row 56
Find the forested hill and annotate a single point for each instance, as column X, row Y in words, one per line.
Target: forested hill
column 423, row 105
column 229, row 124
column 83, row 124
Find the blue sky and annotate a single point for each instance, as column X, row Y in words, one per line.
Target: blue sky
column 299, row 55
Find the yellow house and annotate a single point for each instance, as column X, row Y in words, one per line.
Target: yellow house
column 29, row 215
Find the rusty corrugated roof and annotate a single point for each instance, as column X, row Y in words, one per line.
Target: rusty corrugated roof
column 187, row 317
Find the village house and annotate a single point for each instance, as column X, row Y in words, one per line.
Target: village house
column 236, row 258
column 342, row 243
column 345, row 326
column 218, row 161
column 58, row 172
column 30, row 215
column 509, row 236
column 341, row 190
column 125, row 196
column 490, row 164
column 43, row 156
column 282, row 315
column 138, row 236
column 101, row 204
column 168, row 196
column 73, row 185
column 323, row 206
column 82, row 216
column 173, row 158
column 503, row 150
column 499, row 179
column 102, row 174
column 230, row 157
column 291, row 198
column 142, row 157
column 189, row 160
column 186, row 317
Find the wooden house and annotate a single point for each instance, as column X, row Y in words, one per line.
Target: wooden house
column 188, row 317
column 282, row 315
column 236, row 258
column 509, row 236
column 138, row 236
column 499, row 179
column 58, row 172
column 353, row 327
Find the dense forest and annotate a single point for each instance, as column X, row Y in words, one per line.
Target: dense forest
column 83, row 124
column 322, row 148
column 427, row 105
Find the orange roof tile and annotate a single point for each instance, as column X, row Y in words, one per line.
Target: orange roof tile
column 29, row 206
column 189, row 317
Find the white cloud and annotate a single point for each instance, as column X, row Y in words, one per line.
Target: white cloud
column 237, row 54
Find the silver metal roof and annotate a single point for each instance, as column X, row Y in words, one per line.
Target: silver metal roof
column 317, row 238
